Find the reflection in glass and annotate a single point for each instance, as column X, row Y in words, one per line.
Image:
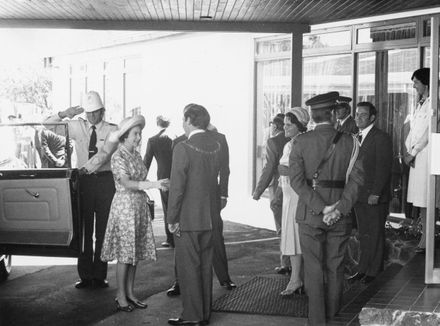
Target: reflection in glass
column 273, row 96
column 113, row 91
column 36, row 146
column 366, row 67
column 326, row 40
column 386, row 33
column 274, row 46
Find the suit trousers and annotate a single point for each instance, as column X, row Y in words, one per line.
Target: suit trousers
column 164, row 200
column 323, row 251
column 193, row 254
column 371, row 228
column 96, row 195
column 220, row 260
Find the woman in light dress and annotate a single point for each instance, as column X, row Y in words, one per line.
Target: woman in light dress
column 295, row 122
column 129, row 234
column 416, row 142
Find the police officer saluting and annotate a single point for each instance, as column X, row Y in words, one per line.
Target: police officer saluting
column 326, row 175
column 94, row 151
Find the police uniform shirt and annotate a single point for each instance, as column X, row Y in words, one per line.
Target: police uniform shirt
column 80, row 130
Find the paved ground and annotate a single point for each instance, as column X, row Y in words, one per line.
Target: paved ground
column 44, row 294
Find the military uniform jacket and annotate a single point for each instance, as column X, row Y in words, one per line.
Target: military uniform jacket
column 308, row 149
column 193, row 199
column 80, row 131
column 274, row 151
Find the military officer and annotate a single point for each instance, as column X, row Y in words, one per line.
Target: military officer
column 326, row 175
column 97, row 188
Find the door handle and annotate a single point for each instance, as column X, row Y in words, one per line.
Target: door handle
column 33, row 194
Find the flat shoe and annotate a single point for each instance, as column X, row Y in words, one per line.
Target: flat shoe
column 137, row 303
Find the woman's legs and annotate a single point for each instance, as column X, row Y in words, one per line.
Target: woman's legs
column 131, row 273
column 295, row 278
column 121, row 281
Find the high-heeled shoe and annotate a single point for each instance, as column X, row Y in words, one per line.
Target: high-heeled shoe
column 137, row 304
column 126, row 308
column 291, row 291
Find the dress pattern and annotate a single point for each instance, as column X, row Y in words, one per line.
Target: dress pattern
column 290, row 244
column 129, row 234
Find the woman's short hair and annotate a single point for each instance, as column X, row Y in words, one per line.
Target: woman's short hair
column 124, row 136
column 278, row 121
column 422, row 74
column 197, row 114
column 293, row 119
column 162, row 122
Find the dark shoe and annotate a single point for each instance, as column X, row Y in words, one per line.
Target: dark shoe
column 368, row 279
column 126, row 308
column 100, row 283
column 165, row 244
column 137, row 303
column 180, row 321
column 81, row 284
column 174, row 290
column 283, row 270
column 229, row 285
column 356, row 277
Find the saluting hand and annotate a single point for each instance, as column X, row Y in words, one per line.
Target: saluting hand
column 71, row 112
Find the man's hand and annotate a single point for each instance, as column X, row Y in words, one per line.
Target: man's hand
column 71, row 112
column 83, row 171
column 59, row 163
column 328, row 209
column 408, row 159
column 223, row 202
column 331, row 217
column 175, row 229
column 373, row 200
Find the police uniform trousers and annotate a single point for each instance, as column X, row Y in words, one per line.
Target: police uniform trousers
column 164, row 200
column 323, row 249
column 96, row 195
column 193, row 254
column 371, row 228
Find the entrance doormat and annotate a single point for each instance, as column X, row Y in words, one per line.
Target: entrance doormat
column 261, row 295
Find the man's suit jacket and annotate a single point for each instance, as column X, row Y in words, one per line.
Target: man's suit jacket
column 274, row 151
column 376, row 154
column 159, row 147
column 308, row 149
column 349, row 126
column 224, row 159
column 193, row 200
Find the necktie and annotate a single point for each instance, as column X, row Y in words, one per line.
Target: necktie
column 360, row 138
column 338, row 125
column 92, row 144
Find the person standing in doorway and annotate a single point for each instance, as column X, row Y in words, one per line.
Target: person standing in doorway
column 416, row 150
column 372, row 205
column 97, row 186
column 344, row 120
column 159, row 147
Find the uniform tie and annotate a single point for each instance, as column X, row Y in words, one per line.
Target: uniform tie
column 338, row 125
column 92, row 144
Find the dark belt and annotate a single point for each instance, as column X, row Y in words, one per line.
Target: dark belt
column 326, row 183
column 101, row 174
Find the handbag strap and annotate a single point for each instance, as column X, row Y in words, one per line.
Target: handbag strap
column 327, row 155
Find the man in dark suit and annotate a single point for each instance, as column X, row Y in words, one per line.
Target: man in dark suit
column 159, row 147
column 344, row 120
column 193, row 204
column 374, row 196
column 269, row 178
column 326, row 175
column 220, row 260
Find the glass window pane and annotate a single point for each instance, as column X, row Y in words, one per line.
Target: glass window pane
column 95, row 77
column 327, row 73
column 386, row 33
column 427, row 28
column 273, row 96
column 366, row 67
column 113, row 92
column 78, row 80
column 326, row 40
column 274, row 46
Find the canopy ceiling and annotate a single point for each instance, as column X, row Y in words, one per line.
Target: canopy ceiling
column 202, row 15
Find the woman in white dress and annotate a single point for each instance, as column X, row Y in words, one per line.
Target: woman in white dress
column 295, row 122
column 416, row 142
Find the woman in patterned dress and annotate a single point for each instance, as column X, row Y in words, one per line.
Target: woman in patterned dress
column 295, row 122
column 129, row 235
